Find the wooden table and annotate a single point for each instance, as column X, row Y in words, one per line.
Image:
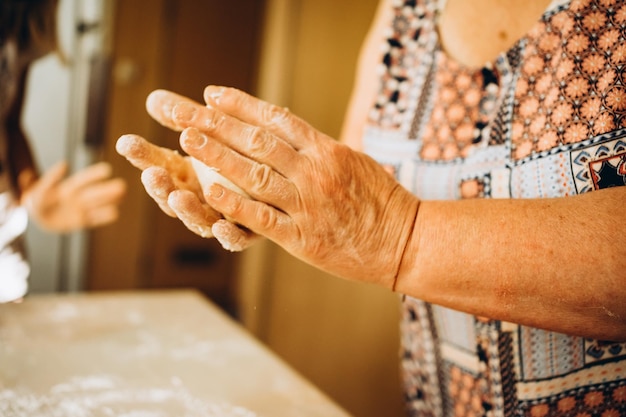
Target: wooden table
column 142, row 354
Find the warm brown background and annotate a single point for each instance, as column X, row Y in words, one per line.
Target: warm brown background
column 298, row 53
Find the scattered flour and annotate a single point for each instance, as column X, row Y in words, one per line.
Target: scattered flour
column 63, row 312
column 106, row 396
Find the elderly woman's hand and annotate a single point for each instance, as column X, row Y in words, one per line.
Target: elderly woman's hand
column 170, row 179
column 326, row 204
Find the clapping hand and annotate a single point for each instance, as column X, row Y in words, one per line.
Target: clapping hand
column 170, row 179
column 326, row 204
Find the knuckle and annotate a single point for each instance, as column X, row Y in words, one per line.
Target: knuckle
column 275, row 115
column 339, row 152
column 258, row 141
column 219, row 156
column 235, row 207
column 267, row 218
column 212, row 121
column 261, row 175
column 215, row 123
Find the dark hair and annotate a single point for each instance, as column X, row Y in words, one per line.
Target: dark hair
column 32, row 23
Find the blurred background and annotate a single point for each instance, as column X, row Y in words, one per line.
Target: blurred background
column 342, row 336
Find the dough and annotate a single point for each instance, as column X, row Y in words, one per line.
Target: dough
column 208, row 176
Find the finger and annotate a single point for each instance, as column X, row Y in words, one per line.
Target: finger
column 101, row 216
column 107, row 192
column 252, row 141
column 143, row 154
column 196, row 216
column 88, row 176
column 159, row 185
column 256, row 179
column 232, row 237
column 278, row 120
column 51, row 177
column 254, row 215
column 160, row 103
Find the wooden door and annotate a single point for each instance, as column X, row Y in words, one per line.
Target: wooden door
column 181, row 46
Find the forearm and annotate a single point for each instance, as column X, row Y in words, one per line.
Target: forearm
column 556, row 264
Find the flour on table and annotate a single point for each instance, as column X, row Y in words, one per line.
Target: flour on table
column 63, row 312
column 107, row 396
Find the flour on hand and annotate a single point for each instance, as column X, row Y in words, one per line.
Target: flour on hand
column 208, row 176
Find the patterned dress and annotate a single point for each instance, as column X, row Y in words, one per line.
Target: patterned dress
column 545, row 119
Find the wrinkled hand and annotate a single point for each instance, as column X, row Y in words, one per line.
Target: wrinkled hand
column 88, row 198
column 169, row 178
column 326, row 204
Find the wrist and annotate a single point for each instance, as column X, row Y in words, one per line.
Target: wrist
column 409, row 251
column 408, row 265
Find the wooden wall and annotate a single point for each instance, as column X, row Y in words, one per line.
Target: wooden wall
column 343, row 336
column 181, row 46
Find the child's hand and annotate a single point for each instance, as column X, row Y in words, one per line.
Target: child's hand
column 88, row 198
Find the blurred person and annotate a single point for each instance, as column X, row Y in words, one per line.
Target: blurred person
column 57, row 203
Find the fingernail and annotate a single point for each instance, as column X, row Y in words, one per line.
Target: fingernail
column 123, row 144
column 216, row 191
column 215, row 95
column 183, row 112
column 157, row 103
column 192, row 138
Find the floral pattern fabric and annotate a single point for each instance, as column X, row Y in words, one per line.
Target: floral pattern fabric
column 545, row 119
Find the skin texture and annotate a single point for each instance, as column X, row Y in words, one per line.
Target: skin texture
column 513, row 260
column 302, row 185
column 522, row 261
column 517, row 261
column 337, row 209
column 496, row 26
